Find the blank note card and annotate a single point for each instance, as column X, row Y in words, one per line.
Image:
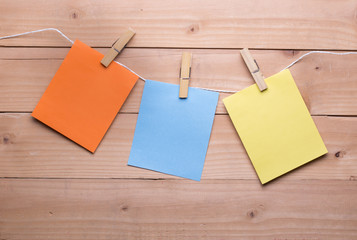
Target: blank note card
column 172, row 134
column 275, row 126
column 84, row 97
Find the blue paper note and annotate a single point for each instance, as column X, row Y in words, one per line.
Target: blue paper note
column 172, row 134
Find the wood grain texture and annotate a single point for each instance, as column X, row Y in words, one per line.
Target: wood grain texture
column 327, row 83
column 28, row 148
column 277, row 24
column 51, row 188
column 177, row 209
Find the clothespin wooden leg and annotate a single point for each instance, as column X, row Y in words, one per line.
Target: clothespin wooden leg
column 185, row 74
column 117, row 47
column 254, row 69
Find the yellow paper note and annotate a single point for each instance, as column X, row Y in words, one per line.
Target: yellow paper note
column 275, row 126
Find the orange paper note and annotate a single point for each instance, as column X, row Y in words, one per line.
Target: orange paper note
column 84, row 97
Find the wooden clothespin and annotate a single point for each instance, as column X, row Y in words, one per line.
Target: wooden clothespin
column 254, row 69
column 117, row 47
column 185, row 74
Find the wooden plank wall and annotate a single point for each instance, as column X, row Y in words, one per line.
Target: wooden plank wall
column 50, row 188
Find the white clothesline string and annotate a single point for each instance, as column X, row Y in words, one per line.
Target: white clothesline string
column 323, row 52
column 36, row 31
column 209, row 89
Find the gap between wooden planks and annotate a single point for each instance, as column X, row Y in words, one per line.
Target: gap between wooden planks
column 275, row 24
column 176, row 209
column 327, row 83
